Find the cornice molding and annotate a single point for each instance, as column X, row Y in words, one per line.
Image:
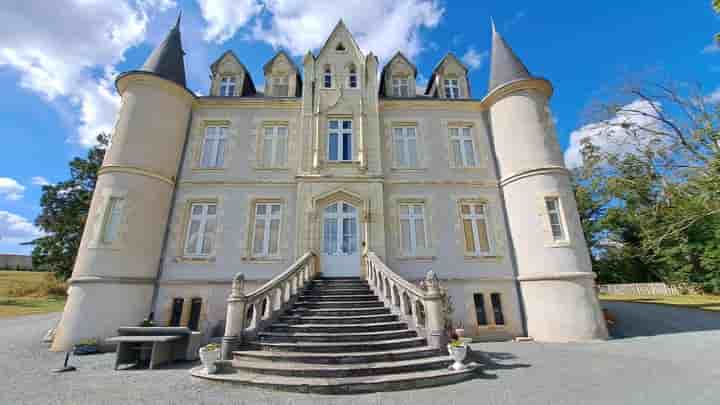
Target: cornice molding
column 109, row 280
column 558, row 276
column 412, row 104
column 249, row 102
column 139, row 76
column 533, row 172
column 538, row 84
column 106, row 169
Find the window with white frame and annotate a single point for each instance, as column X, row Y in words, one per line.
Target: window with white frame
column 352, row 77
column 462, row 146
column 475, row 228
column 113, row 215
column 201, row 229
column 327, row 77
column 452, row 89
column 280, row 86
column 266, row 230
column 405, row 147
column 400, row 87
column 227, row 86
column 340, row 142
column 412, row 228
column 557, row 227
column 275, row 141
column 213, row 151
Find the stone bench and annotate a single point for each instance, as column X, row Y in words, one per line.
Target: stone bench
column 165, row 344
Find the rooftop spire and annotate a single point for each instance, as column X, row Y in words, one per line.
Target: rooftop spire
column 505, row 65
column 167, row 59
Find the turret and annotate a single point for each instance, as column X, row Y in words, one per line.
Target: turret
column 553, row 264
column 119, row 256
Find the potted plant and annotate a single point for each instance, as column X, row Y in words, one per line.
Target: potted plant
column 459, row 329
column 458, row 350
column 209, row 355
column 85, row 346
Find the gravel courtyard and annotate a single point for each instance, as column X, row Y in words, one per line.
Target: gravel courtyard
column 663, row 355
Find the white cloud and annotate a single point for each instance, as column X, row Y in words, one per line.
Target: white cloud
column 621, row 133
column 16, row 229
column 68, row 49
column 383, row 26
column 40, row 181
column 713, row 97
column 474, row 59
column 712, row 48
column 11, row 189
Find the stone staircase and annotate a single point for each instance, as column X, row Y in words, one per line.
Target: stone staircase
column 338, row 337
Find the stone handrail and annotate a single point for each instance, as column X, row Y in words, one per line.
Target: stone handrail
column 421, row 308
column 246, row 314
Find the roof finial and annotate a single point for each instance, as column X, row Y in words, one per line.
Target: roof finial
column 179, row 17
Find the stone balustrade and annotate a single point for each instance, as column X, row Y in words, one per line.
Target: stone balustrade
column 248, row 314
column 421, row 308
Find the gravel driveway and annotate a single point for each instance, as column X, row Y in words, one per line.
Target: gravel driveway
column 666, row 356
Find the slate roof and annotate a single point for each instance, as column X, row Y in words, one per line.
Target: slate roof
column 505, row 65
column 167, row 60
column 398, row 54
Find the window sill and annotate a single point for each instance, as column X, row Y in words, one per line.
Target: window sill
column 342, row 163
column 208, row 169
column 416, row 258
column 195, row 259
column 563, row 244
column 272, row 169
column 469, row 168
column 263, row 260
column 106, row 246
column 482, row 258
column 485, row 328
column 409, row 170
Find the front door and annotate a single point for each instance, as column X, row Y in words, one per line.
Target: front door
column 340, row 253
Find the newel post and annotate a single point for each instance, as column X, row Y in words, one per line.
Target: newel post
column 433, row 302
column 235, row 318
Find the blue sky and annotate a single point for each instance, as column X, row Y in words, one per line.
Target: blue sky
column 57, row 64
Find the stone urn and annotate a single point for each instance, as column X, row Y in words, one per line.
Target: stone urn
column 458, row 351
column 208, row 356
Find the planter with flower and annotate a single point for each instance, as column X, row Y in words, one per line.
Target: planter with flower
column 209, row 354
column 458, row 350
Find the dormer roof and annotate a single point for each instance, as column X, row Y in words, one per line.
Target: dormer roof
column 269, row 64
column 167, row 59
column 398, row 55
column 248, row 85
column 448, row 57
column 505, row 65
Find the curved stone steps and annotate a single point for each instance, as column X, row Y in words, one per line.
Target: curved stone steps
column 335, row 320
column 344, row 385
column 382, row 335
column 340, row 311
column 337, row 328
column 337, row 298
column 338, row 358
column 335, row 304
column 334, row 347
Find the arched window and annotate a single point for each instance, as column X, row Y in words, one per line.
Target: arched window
column 352, row 77
column 327, row 77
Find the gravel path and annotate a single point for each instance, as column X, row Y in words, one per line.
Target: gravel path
column 667, row 356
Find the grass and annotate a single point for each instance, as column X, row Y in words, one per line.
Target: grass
column 21, row 293
column 704, row 302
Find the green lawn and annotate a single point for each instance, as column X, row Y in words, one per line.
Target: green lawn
column 704, row 302
column 27, row 305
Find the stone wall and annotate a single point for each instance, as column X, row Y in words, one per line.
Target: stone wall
column 15, row 262
column 639, row 289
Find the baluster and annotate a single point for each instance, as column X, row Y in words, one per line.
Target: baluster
column 235, row 317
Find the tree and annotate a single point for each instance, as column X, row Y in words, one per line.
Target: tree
column 65, row 207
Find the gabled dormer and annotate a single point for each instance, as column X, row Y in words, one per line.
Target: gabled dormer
column 449, row 79
column 339, row 63
column 398, row 77
column 282, row 77
column 230, row 78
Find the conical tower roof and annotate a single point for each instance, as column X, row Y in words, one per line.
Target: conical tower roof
column 167, row 59
column 505, row 65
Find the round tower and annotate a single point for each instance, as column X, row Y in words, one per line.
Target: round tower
column 113, row 278
column 553, row 264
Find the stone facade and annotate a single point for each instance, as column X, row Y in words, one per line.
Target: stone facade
column 239, row 180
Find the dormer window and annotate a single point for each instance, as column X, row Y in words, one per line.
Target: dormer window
column 227, row 86
column 352, row 77
column 452, row 89
column 280, row 86
column 400, row 87
column 340, row 47
column 327, row 77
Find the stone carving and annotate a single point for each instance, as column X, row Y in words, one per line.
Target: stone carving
column 431, row 280
column 238, row 284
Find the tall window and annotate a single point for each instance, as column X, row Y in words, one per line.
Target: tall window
column 463, row 147
column 340, row 229
column 213, row 153
column 556, row 223
column 227, row 86
column 412, row 228
column 275, row 140
column 480, row 315
column 452, row 90
column 475, row 229
column 327, row 77
column 201, row 229
column 405, row 147
column 280, row 86
column 113, row 214
column 352, row 77
column 340, row 140
column 400, row 87
column 266, row 232
column 497, row 309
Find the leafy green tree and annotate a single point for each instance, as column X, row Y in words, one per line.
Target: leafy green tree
column 65, row 207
